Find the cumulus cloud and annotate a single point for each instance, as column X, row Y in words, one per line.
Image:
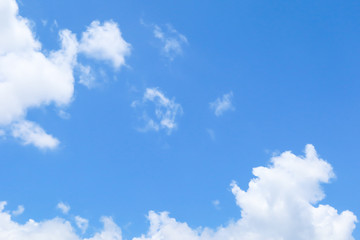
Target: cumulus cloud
column 29, row 78
column 104, row 42
column 53, row 229
column 172, row 40
column 81, row 223
column 63, row 207
column 281, row 202
column 223, row 104
column 166, row 111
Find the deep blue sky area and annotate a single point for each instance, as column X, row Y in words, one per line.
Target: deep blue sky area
column 293, row 70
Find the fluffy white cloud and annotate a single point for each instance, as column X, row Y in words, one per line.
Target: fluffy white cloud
column 171, row 39
column 31, row 133
column 63, row 207
column 221, row 105
column 53, row 229
column 166, row 111
column 81, row 223
column 104, row 42
column 29, row 78
column 281, row 202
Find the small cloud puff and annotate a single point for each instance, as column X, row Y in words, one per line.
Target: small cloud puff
column 105, row 42
column 172, row 41
column 64, row 208
column 20, row 210
column 223, row 104
column 166, row 111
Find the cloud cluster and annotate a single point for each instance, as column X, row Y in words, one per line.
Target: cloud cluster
column 171, row 39
column 53, row 229
column 166, row 111
column 281, row 202
column 221, row 105
column 29, row 78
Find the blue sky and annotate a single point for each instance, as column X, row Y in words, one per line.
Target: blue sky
column 159, row 106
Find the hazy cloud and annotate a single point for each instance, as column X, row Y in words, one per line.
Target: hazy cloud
column 165, row 114
column 223, row 104
column 172, row 41
column 64, row 208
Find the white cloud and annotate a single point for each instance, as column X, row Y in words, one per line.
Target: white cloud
column 18, row 211
column 166, row 111
column 81, row 223
column 86, row 77
column 111, row 231
column 64, row 208
column 63, row 114
column 281, row 202
column 53, row 229
column 31, row 133
column 30, row 78
column 104, row 42
column 171, row 39
column 221, row 105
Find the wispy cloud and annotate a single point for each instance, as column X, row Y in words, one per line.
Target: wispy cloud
column 18, row 211
column 172, row 41
column 223, row 104
column 165, row 114
column 81, row 223
column 64, row 208
column 216, row 204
